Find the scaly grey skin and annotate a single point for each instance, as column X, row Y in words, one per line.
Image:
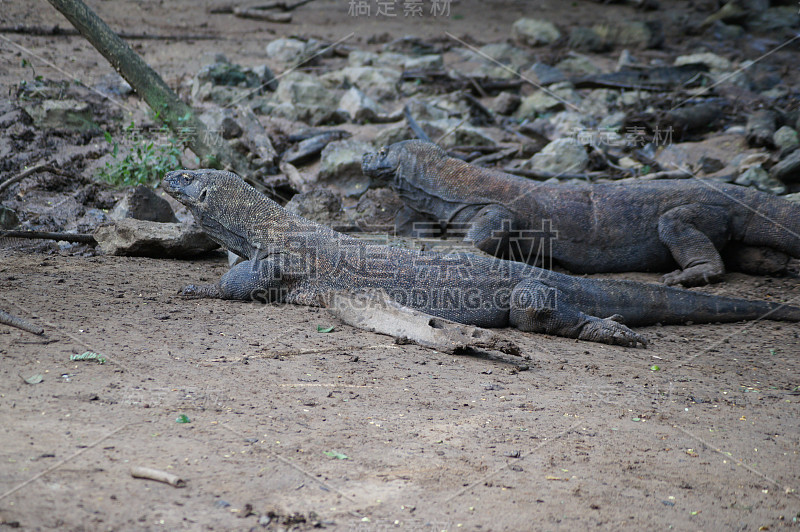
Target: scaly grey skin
column 293, row 260
column 19, row 323
column 589, row 228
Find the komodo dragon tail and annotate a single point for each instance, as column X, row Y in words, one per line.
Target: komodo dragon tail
column 646, row 304
column 19, row 323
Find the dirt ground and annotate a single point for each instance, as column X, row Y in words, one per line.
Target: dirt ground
column 701, row 431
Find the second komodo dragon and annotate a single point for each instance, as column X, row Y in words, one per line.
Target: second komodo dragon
column 590, row 228
column 294, row 260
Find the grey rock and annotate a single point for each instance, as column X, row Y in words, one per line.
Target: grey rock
column 544, row 74
column 505, row 103
column 224, row 73
column 140, row 238
column 556, row 98
column 794, row 197
column 61, row 114
column 113, row 85
column 298, row 88
column 755, row 176
column 8, row 218
column 340, row 166
column 587, row 40
column 424, row 62
column 630, row 34
column 142, row 203
column 222, row 121
column 379, row 83
column 376, row 210
column 785, row 138
column 578, row 65
column 561, row 155
column 788, row 169
column 286, row 50
column 774, row 19
column 359, row 106
column 321, row 206
column 533, row 32
column 454, row 132
column 715, row 63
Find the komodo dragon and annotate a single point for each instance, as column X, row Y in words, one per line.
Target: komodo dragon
column 293, row 260
column 588, row 228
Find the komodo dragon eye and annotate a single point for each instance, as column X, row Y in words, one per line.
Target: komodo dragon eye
column 383, row 151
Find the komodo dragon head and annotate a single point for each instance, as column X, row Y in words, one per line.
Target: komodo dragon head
column 220, row 202
column 382, row 166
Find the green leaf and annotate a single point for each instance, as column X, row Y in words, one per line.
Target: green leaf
column 183, row 418
column 321, row 329
column 35, row 379
column 338, row 456
column 654, row 367
column 89, row 355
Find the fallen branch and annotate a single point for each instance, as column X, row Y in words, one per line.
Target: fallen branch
column 157, row 475
column 57, row 31
column 283, row 6
column 375, row 311
column 81, row 238
column 493, row 157
column 19, row 323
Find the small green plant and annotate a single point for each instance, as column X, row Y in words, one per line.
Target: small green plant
column 146, row 162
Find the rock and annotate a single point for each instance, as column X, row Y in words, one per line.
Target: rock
column 578, row 65
column 544, row 74
column 714, row 62
column 453, row 132
column 341, row 166
column 298, row 88
column 425, row 62
column 774, row 19
column 560, row 156
column 755, row 176
column 358, row 58
column 376, row 210
column 113, row 85
column 587, row 40
column 286, row 50
column 392, row 134
column 140, row 238
column 425, row 110
column 788, row 169
column 785, row 138
column 222, row 121
column 794, row 197
column 505, row 103
column 142, row 203
column 61, row 114
column 321, row 206
column 556, row 98
column 359, row 106
column 8, row 218
column 630, row 34
column 314, row 115
column 224, row 73
column 533, row 32
column 377, row 82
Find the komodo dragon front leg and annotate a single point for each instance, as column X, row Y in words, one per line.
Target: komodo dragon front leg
column 536, row 307
column 696, row 251
column 256, row 280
